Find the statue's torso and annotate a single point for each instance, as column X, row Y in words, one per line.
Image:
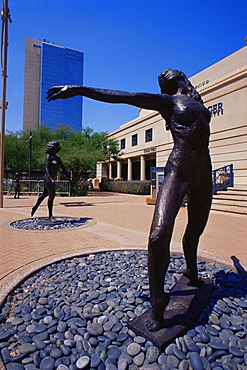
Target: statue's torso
column 53, row 164
column 189, row 125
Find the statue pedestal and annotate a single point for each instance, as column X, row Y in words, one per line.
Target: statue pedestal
column 184, row 307
column 47, row 222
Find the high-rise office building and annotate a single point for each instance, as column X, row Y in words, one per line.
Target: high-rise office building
column 48, row 65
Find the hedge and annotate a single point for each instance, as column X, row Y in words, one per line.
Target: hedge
column 80, row 189
column 128, row 187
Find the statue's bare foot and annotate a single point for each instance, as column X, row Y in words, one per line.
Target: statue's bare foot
column 33, row 211
column 156, row 322
column 193, row 280
column 52, row 219
column 154, row 325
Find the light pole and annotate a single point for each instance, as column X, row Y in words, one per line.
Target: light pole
column 5, row 18
column 108, row 148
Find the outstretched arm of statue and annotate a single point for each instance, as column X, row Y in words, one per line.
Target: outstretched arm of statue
column 140, row 100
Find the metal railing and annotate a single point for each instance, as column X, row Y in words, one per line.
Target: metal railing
column 35, row 187
column 222, row 177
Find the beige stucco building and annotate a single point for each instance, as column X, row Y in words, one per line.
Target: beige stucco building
column 146, row 143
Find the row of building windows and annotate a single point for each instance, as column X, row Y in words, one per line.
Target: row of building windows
column 134, row 139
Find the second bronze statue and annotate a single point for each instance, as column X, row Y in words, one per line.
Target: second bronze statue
column 53, row 164
column 188, row 171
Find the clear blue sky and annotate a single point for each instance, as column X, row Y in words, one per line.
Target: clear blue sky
column 127, row 43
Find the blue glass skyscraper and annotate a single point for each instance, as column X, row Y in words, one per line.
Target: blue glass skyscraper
column 47, row 65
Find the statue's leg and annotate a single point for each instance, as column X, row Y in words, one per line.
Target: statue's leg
column 51, row 192
column 39, row 201
column 199, row 203
column 168, row 202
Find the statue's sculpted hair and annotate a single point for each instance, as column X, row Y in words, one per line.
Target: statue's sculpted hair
column 168, row 74
column 52, row 145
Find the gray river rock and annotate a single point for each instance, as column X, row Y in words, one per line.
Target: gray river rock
column 73, row 315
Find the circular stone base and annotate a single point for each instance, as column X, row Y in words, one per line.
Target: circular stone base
column 44, row 223
column 48, row 222
column 86, row 302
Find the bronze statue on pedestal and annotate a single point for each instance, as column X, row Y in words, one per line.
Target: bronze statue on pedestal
column 53, row 164
column 188, row 171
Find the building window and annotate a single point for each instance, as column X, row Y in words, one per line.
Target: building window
column 149, row 135
column 134, row 140
column 122, row 143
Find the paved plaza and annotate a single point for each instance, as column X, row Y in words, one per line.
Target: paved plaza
column 114, row 222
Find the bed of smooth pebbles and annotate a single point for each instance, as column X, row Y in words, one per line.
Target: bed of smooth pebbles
column 73, row 315
column 43, row 223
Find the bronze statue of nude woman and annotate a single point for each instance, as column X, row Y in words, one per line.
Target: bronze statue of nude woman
column 53, row 164
column 188, row 171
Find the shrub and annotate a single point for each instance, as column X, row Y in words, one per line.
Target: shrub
column 80, row 189
column 128, row 187
column 103, row 185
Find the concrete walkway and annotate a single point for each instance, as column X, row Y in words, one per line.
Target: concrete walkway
column 115, row 221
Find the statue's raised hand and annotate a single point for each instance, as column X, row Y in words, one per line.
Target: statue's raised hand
column 60, row 92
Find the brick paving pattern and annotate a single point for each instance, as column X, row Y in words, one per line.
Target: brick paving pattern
column 119, row 221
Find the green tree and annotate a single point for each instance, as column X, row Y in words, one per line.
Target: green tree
column 44, row 135
column 80, row 150
column 16, row 154
column 111, row 149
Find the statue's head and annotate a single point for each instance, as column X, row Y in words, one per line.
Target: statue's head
column 168, row 77
column 169, row 74
column 52, row 147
